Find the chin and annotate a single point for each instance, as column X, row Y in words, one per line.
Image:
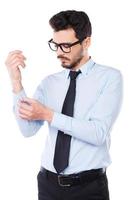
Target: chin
column 67, row 66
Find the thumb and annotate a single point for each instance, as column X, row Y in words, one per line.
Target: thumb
column 28, row 100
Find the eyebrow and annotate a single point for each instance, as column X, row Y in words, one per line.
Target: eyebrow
column 61, row 42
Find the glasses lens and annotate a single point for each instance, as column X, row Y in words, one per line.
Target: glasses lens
column 65, row 48
column 53, row 46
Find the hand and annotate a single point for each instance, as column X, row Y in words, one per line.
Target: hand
column 13, row 61
column 31, row 109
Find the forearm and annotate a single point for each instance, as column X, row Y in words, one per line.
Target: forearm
column 90, row 131
column 16, row 86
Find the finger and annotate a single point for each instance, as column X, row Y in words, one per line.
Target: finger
column 24, row 101
column 13, row 58
column 10, row 54
column 17, row 64
column 24, row 117
column 24, row 112
column 29, row 100
column 25, row 106
column 15, row 52
column 14, row 62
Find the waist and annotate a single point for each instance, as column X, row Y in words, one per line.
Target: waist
column 73, row 179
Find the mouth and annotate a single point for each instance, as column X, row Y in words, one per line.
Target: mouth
column 63, row 58
column 64, row 61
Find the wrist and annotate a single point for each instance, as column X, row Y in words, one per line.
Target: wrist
column 17, row 86
column 49, row 115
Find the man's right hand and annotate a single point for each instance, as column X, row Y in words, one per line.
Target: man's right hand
column 14, row 60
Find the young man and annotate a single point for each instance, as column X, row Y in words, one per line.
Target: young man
column 80, row 104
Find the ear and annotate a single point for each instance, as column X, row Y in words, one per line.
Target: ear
column 87, row 42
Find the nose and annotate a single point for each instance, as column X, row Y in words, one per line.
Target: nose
column 59, row 52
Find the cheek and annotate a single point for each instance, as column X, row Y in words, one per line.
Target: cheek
column 77, row 54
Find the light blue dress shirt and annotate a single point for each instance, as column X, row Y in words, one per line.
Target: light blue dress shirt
column 97, row 104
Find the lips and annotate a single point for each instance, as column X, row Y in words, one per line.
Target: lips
column 63, row 59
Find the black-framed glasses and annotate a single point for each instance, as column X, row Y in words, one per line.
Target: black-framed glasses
column 65, row 47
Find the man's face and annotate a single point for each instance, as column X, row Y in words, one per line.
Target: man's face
column 72, row 59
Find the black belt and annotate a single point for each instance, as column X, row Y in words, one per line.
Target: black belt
column 73, row 179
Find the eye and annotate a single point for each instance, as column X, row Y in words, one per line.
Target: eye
column 66, row 45
column 55, row 45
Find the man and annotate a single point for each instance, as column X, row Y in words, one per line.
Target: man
column 80, row 104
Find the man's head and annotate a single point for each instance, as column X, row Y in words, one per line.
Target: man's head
column 71, row 38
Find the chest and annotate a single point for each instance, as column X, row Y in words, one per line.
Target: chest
column 87, row 93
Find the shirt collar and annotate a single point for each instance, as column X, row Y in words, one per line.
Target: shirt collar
column 84, row 68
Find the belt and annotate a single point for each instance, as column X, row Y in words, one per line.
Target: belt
column 73, row 179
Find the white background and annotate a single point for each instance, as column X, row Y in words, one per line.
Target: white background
column 24, row 26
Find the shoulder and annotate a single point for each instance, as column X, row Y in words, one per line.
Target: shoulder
column 52, row 78
column 107, row 71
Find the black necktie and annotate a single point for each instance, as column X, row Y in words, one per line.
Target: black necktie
column 62, row 148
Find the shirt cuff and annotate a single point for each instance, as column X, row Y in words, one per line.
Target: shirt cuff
column 61, row 122
column 18, row 96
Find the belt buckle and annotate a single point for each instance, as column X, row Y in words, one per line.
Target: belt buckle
column 60, row 183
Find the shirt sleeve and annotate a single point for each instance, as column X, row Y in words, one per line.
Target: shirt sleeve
column 28, row 127
column 96, row 129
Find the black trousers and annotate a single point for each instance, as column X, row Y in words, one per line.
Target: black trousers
column 93, row 190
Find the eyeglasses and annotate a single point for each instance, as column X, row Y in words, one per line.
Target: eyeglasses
column 65, row 47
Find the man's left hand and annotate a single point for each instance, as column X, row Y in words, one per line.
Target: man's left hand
column 31, row 109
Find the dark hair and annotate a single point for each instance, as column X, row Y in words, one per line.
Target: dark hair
column 78, row 20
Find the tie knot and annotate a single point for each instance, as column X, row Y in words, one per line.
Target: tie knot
column 73, row 74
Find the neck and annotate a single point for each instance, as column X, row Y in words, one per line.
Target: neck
column 82, row 62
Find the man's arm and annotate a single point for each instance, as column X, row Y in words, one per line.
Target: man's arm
column 15, row 60
column 95, row 128
column 31, row 109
